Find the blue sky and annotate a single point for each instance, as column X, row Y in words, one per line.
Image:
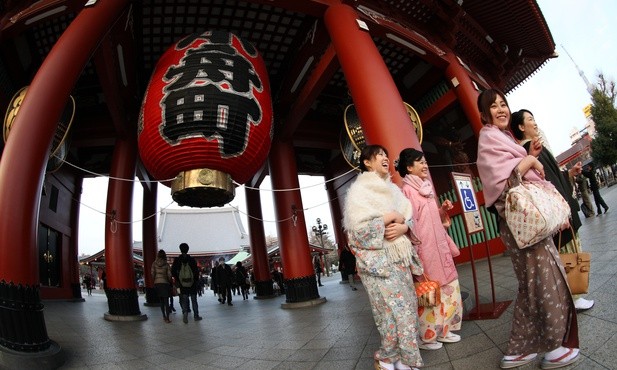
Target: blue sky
column 556, row 95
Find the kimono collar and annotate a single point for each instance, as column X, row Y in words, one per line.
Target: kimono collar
column 423, row 187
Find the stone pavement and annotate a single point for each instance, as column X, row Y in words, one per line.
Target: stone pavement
column 340, row 334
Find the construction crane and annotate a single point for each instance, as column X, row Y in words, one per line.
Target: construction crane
column 590, row 87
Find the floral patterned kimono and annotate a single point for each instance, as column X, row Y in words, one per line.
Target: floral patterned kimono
column 544, row 314
column 436, row 251
column 385, row 267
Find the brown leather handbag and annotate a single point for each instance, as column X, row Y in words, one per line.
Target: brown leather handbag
column 577, row 266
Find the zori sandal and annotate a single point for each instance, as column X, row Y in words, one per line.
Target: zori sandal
column 509, row 362
column 570, row 357
column 380, row 365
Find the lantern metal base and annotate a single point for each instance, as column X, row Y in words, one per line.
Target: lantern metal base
column 202, row 188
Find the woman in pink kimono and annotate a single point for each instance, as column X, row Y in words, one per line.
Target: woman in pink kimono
column 544, row 317
column 436, row 251
column 377, row 218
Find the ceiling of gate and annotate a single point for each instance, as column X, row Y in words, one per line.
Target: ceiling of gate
column 503, row 41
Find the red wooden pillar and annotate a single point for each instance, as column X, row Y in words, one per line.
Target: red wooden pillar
column 21, row 175
column 466, row 91
column 300, row 280
column 259, row 252
column 379, row 105
column 121, row 289
column 150, row 244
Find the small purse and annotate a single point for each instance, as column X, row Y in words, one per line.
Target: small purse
column 577, row 266
column 428, row 292
column 534, row 211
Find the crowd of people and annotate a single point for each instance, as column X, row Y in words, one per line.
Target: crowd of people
column 89, row 281
column 185, row 279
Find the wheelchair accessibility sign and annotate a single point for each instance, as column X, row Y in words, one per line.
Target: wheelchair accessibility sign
column 469, row 203
column 468, row 200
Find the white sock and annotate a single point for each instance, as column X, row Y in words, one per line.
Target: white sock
column 560, row 351
column 401, row 366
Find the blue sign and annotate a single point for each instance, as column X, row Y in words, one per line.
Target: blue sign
column 468, row 200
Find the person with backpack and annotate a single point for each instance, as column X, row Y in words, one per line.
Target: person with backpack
column 186, row 273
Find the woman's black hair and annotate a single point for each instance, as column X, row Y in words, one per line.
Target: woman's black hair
column 162, row 254
column 485, row 100
column 407, row 157
column 516, row 119
column 369, row 152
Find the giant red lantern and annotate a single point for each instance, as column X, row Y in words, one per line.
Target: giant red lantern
column 206, row 118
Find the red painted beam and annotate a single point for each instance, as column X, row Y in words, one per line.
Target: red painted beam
column 25, row 155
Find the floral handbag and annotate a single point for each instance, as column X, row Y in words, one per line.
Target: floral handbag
column 534, row 211
column 428, row 292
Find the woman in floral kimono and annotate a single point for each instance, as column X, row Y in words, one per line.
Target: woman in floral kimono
column 544, row 315
column 436, row 251
column 377, row 218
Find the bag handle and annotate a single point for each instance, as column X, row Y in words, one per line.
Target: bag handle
column 517, row 181
column 574, row 241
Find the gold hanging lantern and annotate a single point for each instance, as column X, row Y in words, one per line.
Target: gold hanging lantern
column 352, row 139
column 59, row 146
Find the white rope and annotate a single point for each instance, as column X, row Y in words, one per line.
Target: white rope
column 293, row 217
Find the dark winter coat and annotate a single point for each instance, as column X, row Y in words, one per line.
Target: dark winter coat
column 241, row 275
column 224, row 275
column 348, row 262
column 593, row 182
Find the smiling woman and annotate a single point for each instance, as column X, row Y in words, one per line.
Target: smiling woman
column 559, row 83
column 93, row 203
column 501, row 164
column 436, row 251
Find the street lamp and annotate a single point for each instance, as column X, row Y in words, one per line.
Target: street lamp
column 319, row 231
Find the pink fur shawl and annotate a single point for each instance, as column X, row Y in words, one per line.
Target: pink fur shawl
column 498, row 155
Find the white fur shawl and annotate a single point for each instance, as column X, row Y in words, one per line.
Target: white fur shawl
column 370, row 197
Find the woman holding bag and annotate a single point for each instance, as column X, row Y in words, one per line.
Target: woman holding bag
column 544, row 317
column 377, row 218
column 525, row 129
column 161, row 274
column 436, row 251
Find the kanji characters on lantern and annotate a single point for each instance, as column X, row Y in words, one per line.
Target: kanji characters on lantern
column 206, row 118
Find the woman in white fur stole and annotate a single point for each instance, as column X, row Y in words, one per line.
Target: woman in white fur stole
column 377, row 218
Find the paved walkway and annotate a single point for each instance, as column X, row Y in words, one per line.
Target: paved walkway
column 340, row 334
